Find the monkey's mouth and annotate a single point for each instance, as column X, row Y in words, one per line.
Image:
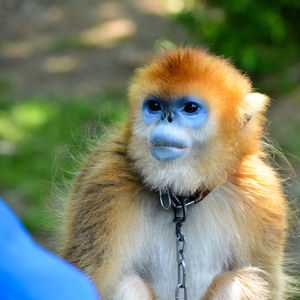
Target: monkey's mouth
column 169, row 145
column 165, row 151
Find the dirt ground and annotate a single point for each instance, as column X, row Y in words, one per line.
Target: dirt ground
column 75, row 47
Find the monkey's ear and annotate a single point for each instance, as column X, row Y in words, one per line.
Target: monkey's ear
column 252, row 104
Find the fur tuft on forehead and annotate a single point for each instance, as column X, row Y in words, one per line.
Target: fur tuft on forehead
column 191, row 71
column 189, row 64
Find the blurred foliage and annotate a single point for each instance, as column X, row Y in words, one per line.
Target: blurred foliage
column 290, row 142
column 39, row 138
column 260, row 36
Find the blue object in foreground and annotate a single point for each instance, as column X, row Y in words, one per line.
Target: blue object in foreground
column 30, row 272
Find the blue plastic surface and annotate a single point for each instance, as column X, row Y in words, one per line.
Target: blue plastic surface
column 30, row 272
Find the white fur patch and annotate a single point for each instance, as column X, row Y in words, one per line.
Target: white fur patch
column 211, row 232
column 132, row 288
column 246, row 283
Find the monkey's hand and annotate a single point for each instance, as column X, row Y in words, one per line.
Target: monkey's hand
column 133, row 288
column 244, row 284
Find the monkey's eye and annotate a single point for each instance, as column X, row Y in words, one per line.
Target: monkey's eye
column 190, row 107
column 153, row 105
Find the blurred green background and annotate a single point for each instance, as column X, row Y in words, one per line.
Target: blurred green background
column 65, row 66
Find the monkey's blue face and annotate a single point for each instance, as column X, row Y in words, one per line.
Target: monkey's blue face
column 169, row 139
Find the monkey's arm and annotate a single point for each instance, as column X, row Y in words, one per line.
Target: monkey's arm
column 261, row 210
column 248, row 283
column 101, row 218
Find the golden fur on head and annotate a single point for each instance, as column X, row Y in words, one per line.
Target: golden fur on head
column 223, row 140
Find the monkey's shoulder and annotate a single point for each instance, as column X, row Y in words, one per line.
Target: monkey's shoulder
column 257, row 177
column 260, row 194
column 103, row 191
column 105, row 175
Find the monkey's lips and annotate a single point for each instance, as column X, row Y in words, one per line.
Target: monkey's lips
column 169, row 145
column 167, row 151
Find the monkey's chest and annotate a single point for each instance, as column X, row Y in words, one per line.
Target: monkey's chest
column 206, row 255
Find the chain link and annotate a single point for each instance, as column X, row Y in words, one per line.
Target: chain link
column 181, row 268
column 180, row 208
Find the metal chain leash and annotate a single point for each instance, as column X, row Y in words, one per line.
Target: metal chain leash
column 181, row 268
column 180, row 205
column 180, row 208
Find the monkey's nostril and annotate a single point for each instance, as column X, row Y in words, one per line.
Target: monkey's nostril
column 170, row 118
column 164, row 115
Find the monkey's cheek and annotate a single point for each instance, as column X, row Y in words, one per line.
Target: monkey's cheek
column 165, row 153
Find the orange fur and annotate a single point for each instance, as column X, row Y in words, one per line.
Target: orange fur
column 103, row 216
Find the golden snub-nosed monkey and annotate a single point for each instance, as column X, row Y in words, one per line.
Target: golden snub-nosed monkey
column 194, row 128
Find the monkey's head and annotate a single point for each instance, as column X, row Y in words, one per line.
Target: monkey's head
column 194, row 118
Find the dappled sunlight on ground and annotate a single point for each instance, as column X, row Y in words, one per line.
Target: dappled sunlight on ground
column 175, row 6
column 150, row 6
column 110, row 10
column 26, row 48
column 96, row 44
column 108, row 34
column 60, row 64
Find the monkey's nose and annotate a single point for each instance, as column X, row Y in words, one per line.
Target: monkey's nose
column 167, row 115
